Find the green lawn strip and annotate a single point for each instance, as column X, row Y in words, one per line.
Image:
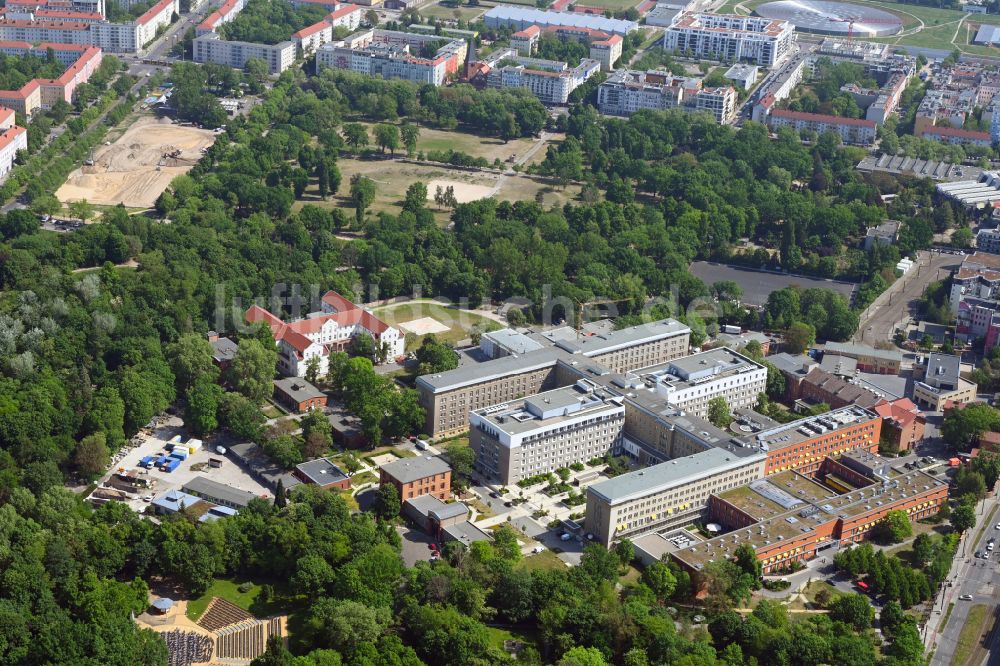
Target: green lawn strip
column 543, row 561
column 976, row 624
column 226, row 589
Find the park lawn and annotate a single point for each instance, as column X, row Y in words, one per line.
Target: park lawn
column 968, row 649
column 813, row 588
column 393, row 177
column 487, row 147
column 226, row 589
column 361, row 479
column 543, row 561
column 459, row 322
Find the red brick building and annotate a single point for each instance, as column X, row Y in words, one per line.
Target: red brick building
column 298, row 395
column 902, row 423
column 414, row 477
column 803, row 446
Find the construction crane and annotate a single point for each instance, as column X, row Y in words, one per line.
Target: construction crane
column 851, row 20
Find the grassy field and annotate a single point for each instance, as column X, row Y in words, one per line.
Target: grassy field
column 613, row 5
column 439, row 11
column 545, row 560
column 487, row 147
column 968, row 649
column 392, row 177
column 459, row 322
column 225, row 589
column 813, row 588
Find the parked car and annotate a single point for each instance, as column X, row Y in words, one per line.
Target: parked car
column 966, row 597
column 565, row 536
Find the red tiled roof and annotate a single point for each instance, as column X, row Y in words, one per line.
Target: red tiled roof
column 902, row 411
column 957, row 133
column 311, row 30
column 822, row 118
column 152, row 12
column 295, row 333
column 343, row 10
column 28, row 88
column 530, row 31
column 8, row 136
column 6, row 115
column 15, row 45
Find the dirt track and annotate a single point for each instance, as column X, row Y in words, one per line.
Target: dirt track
column 133, row 170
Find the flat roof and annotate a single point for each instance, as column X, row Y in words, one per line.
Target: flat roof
column 466, row 533
column 429, row 505
column 210, row 489
column 407, row 470
column 261, row 465
column 321, row 471
column 626, row 337
column 943, row 366
column 711, row 364
column 544, row 409
column 848, row 349
column 574, row 19
column 792, row 364
column 298, row 389
column 795, row 432
column 679, row 471
column 839, row 365
column 512, row 340
column 476, row 373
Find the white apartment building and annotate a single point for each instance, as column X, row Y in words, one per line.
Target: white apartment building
column 128, row 37
column 689, row 383
column 12, row 139
column 210, row 47
column 988, row 240
column 730, row 37
column 320, row 333
column 310, row 38
column 226, row 12
column 607, row 52
column 391, row 54
column 544, row 432
column 625, row 92
column 720, row 102
column 548, row 80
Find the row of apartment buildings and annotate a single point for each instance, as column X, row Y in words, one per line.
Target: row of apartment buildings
column 43, row 23
column 551, row 81
column 975, row 298
column 627, row 91
column 394, row 55
column 80, row 62
column 604, row 47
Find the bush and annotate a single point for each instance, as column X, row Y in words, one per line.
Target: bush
column 777, row 585
column 245, row 587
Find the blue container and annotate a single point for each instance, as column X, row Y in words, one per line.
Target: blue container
column 172, row 465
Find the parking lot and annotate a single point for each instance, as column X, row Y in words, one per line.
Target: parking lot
column 196, row 465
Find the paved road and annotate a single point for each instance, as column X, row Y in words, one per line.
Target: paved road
column 969, row 576
column 899, row 302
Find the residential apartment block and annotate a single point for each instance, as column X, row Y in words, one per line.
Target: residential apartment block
column 450, row 396
column 88, row 28
column 850, row 130
column 626, row 91
column 550, row 81
column 394, row 55
column 956, row 136
column 210, row 47
column 988, row 240
column 605, row 48
column 546, row 431
column 310, row 38
column 12, row 139
column 320, row 333
column 975, row 298
column 80, row 61
column 226, row 12
column 413, row 477
column 730, row 37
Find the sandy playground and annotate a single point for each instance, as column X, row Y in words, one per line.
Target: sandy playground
column 464, row 192
column 136, row 168
column 424, row 325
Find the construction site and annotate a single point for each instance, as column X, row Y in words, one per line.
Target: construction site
column 136, row 168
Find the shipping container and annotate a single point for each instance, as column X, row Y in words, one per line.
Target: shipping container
column 172, row 465
column 732, row 330
column 161, row 461
column 180, row 453
column 147, row 462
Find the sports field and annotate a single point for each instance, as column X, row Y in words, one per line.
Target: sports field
column 447, row 324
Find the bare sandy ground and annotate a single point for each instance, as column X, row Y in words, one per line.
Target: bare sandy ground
column 464, row 192
column 425, row 325
column 126, row 171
